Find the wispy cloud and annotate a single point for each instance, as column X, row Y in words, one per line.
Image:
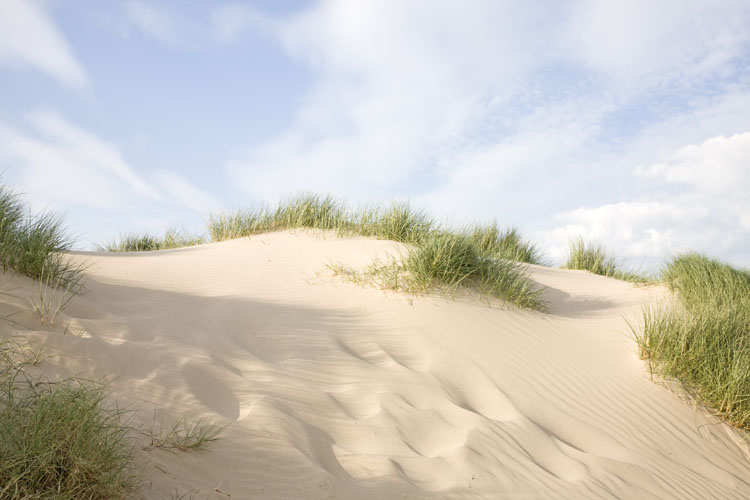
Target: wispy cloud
column 71, row 168
column 229, row 22
column 153, row 20
column 29, row 37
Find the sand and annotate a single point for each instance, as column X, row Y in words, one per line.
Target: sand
column 333, row 390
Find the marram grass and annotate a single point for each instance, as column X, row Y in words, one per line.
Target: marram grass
column 595, row 259
column 704, row 339
column 449, row 262
column 144, row 242
column 34, row 245
column 452, row 261
column 60, row 440
column 485, row 258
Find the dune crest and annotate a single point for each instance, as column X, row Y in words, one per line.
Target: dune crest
column 335, row 390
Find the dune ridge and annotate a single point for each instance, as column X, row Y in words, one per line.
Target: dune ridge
column 334, row 390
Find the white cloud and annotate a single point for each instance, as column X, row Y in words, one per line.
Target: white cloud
column 716, row 168
column 152, row 20
column 517, row 112
column 400, row 85
column 28, row 37
column 709, row 211
column 672, row 41
column 437, row 94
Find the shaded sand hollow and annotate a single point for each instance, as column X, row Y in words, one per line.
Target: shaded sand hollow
column 333, row 390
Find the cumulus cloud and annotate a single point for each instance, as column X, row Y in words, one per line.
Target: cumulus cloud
column 29, row 37
column 708, row 211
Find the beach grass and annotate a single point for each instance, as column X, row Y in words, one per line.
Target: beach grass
column 398, row 221
column 594, row 258
column 485, row 258
column 703, row 339
column 452, row 261
column 504, row 244
column 60, row 440
column 144, row 242
column 34, row 245
column 183, row 435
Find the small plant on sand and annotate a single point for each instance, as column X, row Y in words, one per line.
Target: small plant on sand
column 183, row 435
column 703, row 340
column 54, row 297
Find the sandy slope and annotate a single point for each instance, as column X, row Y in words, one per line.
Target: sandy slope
column 333, row 390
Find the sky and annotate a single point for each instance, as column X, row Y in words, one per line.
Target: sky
column 626, row 123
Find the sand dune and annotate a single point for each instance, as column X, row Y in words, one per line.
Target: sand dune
column 333, row 390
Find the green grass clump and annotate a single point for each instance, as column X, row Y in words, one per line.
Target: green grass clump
column 304, row 211
column 144, row 242
column 33, row 245
column 505, row 244
column 453, row 260
column 483, row 259
column 590, row 257
column 60, row 440
column 397, row 222
column 704, row 341
column 594, row 258
column 183, row 435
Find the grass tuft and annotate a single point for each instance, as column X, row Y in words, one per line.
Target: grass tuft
column 449, row 262
column 594, row 258
column 704, row 341
column 183, row 435
column 453, row 260
column 483, row 259
column 34, row 245
column 505, row 244
column 144, row 242
column 303, row 211
column 397, row 222
column 59, row 440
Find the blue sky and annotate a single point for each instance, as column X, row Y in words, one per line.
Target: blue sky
column 624, row 122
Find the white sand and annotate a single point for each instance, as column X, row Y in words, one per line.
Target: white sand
column 337, row 391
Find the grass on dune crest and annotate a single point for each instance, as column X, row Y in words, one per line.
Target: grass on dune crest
column 144, row 242
column 484, row 258
column 505, row 244
column 455, row 260
column 398, row 222
column 703, row 340
column 449, row 262
column 594, row 258
column 34, row 245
